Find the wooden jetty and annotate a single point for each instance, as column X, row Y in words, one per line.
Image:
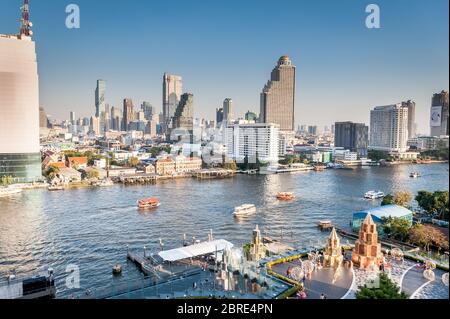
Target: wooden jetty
column 141, row 179
column 142, row 263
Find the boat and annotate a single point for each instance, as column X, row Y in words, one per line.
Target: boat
column 285, row 196
column 325, row 224
column 9, row 191
column 319, row 168
column 374, row 195
column 105, row 183
column 55, row 188
column 117, row 270
column 414, row 175
column 148, row 203
column 244, row 210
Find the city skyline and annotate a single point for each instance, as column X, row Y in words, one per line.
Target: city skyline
column 367, row 76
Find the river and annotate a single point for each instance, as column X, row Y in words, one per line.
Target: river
column 91, row 228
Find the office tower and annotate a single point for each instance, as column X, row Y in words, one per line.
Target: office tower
column 389, row 128
column 95, row 125
column 312, row 130
column 172, row 90
column 184, row 114
column 250, row 116
column 440, row 114
column 72, row 118
column 411, row 106
column 43, row 120
column 278, row 96
column 219, row 115
column 253, row 140
column 352, row 136
column 148, row 110
column 100, row 98
column 228, row 110
column 128, row 113
column 140, row 116
column 20, row 155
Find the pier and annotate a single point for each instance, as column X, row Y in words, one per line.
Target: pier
column 141, row 179
column 213, row 174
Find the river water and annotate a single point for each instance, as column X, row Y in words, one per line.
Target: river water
column 91, row 228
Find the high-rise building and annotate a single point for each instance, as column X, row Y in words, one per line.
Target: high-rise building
column 312, row 130
column 219, row 115
column 20, row 155
column 411, row 106
column 43, row 119
column 95, row 125
column 389, row 128
column 278, row 96
column 228, row 110
column 440, row 114
column 148, row 110
column 72, row 118
column 128, row 113
column 184, row 114
column 100, row 98
column 253, row 141
column 172, row 90
column 352, row 136
column 251, row 116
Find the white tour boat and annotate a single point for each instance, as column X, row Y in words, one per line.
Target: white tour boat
column 244, row 210
column 374, row 195
column 9, row 191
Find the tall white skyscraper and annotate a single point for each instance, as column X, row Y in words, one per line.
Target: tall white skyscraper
column 439, row 120
column 100, row 105
column 172, row 90
column 19, row 105
column 389, row 128
column 278, row 96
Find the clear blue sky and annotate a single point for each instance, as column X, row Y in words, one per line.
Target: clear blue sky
column 227, row 48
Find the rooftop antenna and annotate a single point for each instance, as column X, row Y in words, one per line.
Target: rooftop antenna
column 25, row 29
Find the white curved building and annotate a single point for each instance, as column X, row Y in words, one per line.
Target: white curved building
column 19, row 109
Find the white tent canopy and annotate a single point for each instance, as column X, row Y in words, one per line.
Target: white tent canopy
column 201, row 249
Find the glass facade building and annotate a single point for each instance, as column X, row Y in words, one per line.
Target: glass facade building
column 23, row 168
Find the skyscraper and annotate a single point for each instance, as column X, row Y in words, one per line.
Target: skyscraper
column 228, row 110
column 389, row 128
column 352, row 136
column 278, row 96
column 219, row 115
column 184, row 114
column 411, row 106
column 172, row 90
column 440, row 114
column 100, row 107
column 148, row 110
column 72, row 118
column 20, row 155
column 128, row 113
column 250, row 116
column 43, row 120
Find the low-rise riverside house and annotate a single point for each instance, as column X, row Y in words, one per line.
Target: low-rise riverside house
column 69, row 175
column 253, row 140
column 77, row 162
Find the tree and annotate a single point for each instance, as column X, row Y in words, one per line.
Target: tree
column 133, row 161
column 6, row 180
column 434, row 203
column 93, row 174
column 52, row 172
column 388, row 200
column 396, row 228
column 386, row 289
column 427, row 236
column 230, row 165
column 399, row 198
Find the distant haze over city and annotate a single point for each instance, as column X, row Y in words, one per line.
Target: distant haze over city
column 228, row 49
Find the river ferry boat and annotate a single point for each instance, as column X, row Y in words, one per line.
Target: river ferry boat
column 244, row 210
column 285, row 196
column 374, row 195
column 148, row 203
column 9, row 191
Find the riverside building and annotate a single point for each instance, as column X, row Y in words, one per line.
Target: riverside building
column 20, row 155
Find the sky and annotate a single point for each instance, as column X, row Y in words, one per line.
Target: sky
column 227, row 48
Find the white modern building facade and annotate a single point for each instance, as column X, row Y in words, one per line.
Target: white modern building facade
column 253, row 140
column 389, row 128
column 19, row 109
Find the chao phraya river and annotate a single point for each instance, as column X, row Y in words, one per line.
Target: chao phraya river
column 91, row 228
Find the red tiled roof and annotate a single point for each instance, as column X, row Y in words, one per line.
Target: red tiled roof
column 78, row 160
